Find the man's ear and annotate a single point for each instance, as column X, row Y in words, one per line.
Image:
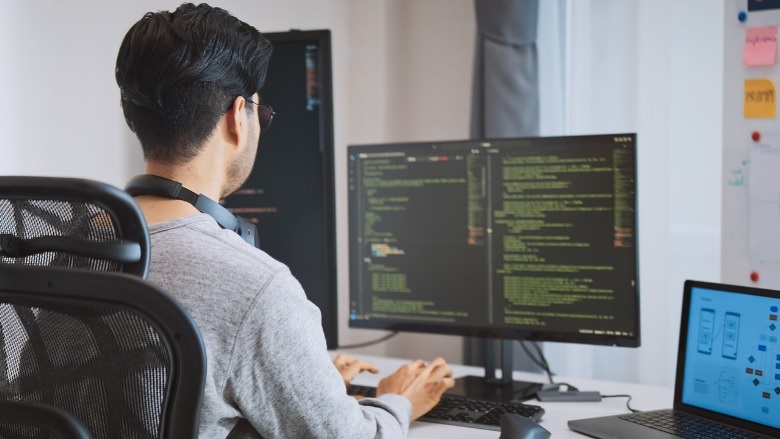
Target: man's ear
column 235, row 122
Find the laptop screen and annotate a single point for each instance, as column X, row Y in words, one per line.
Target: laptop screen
column 732, row 355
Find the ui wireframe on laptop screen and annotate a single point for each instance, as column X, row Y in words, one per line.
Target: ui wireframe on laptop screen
column 733, row 355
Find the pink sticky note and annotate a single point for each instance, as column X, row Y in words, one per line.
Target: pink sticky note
column 760, row 46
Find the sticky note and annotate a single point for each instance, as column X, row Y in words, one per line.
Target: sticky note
column 760, row 46
column 760, row 99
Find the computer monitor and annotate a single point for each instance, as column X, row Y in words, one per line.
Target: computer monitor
column 290, row 193
column 526, row 238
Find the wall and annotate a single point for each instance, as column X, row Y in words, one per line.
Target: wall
column 9, row 148
column 654, row 68
column 61, row 93
column 58, row 84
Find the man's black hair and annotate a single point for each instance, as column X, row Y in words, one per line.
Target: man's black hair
column 178, row 72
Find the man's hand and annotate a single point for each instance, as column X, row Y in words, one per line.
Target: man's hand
column 349, row 367
column 421, row 384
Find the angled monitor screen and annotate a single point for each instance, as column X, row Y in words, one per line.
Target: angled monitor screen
column 531, row 238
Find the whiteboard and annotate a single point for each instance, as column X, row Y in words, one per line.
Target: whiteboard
column 750, row 243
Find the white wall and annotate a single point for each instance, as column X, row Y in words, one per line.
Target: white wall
column 9, row 147
column 61, row 92
column 632, row 66
column 60, row 101
column 402, row 72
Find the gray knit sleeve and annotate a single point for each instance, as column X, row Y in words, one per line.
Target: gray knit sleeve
column 283, row 381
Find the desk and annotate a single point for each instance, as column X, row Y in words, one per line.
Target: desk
column 556, row 414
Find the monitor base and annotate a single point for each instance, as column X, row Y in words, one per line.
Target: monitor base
column 475, row 387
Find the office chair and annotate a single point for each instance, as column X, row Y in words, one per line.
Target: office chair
column 72, row 223
column 86, row 341
column 113, row 350
column 51, row 419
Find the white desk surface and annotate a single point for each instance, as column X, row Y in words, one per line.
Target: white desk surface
column 556, row 414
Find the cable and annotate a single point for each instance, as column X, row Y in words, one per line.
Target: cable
column 369, row 343
column 628, row 401
column 542, row 358
column 541, row 362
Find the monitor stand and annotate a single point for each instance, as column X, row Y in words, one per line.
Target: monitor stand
column 492, row 388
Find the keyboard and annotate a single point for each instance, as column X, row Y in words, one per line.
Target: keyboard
column 686, row 426
column 465, row 412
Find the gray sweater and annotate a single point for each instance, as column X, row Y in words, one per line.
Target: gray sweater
column 269, row 372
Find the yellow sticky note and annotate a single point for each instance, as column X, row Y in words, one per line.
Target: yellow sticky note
column 760, row 99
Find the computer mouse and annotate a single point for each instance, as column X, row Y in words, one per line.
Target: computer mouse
column 519, row 427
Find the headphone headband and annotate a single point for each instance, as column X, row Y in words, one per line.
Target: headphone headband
column 162, row 187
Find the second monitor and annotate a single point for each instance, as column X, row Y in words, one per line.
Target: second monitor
column 529, row 239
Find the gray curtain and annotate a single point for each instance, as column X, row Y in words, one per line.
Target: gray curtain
column 505, row 99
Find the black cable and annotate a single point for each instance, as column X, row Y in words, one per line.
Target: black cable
column 628, row 401
column 369, row 343
column 542, row 358
column 542, row 363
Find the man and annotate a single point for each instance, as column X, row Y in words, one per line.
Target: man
column 189, row 82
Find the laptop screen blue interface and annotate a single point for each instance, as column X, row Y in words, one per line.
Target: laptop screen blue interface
column 733, row 356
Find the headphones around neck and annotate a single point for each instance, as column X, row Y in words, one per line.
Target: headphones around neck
column 162, row 187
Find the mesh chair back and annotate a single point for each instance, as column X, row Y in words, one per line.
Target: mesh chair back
column 119, row 354
column 45, row 416
column 72, row 223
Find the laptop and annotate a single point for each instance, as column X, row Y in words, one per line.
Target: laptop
column 728, row 370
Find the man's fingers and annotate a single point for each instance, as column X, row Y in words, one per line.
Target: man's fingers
column 440, row 370
column 416, row 364
column 367, row 366
column 354, row 368
column 436, row 369
column 370, row 367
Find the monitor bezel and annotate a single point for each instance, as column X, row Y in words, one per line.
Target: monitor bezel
column 488, row 332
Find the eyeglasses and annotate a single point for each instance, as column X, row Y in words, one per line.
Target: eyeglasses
column 265, row 114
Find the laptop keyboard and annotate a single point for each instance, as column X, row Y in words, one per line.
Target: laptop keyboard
column 465, row 412
column 685, row 426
